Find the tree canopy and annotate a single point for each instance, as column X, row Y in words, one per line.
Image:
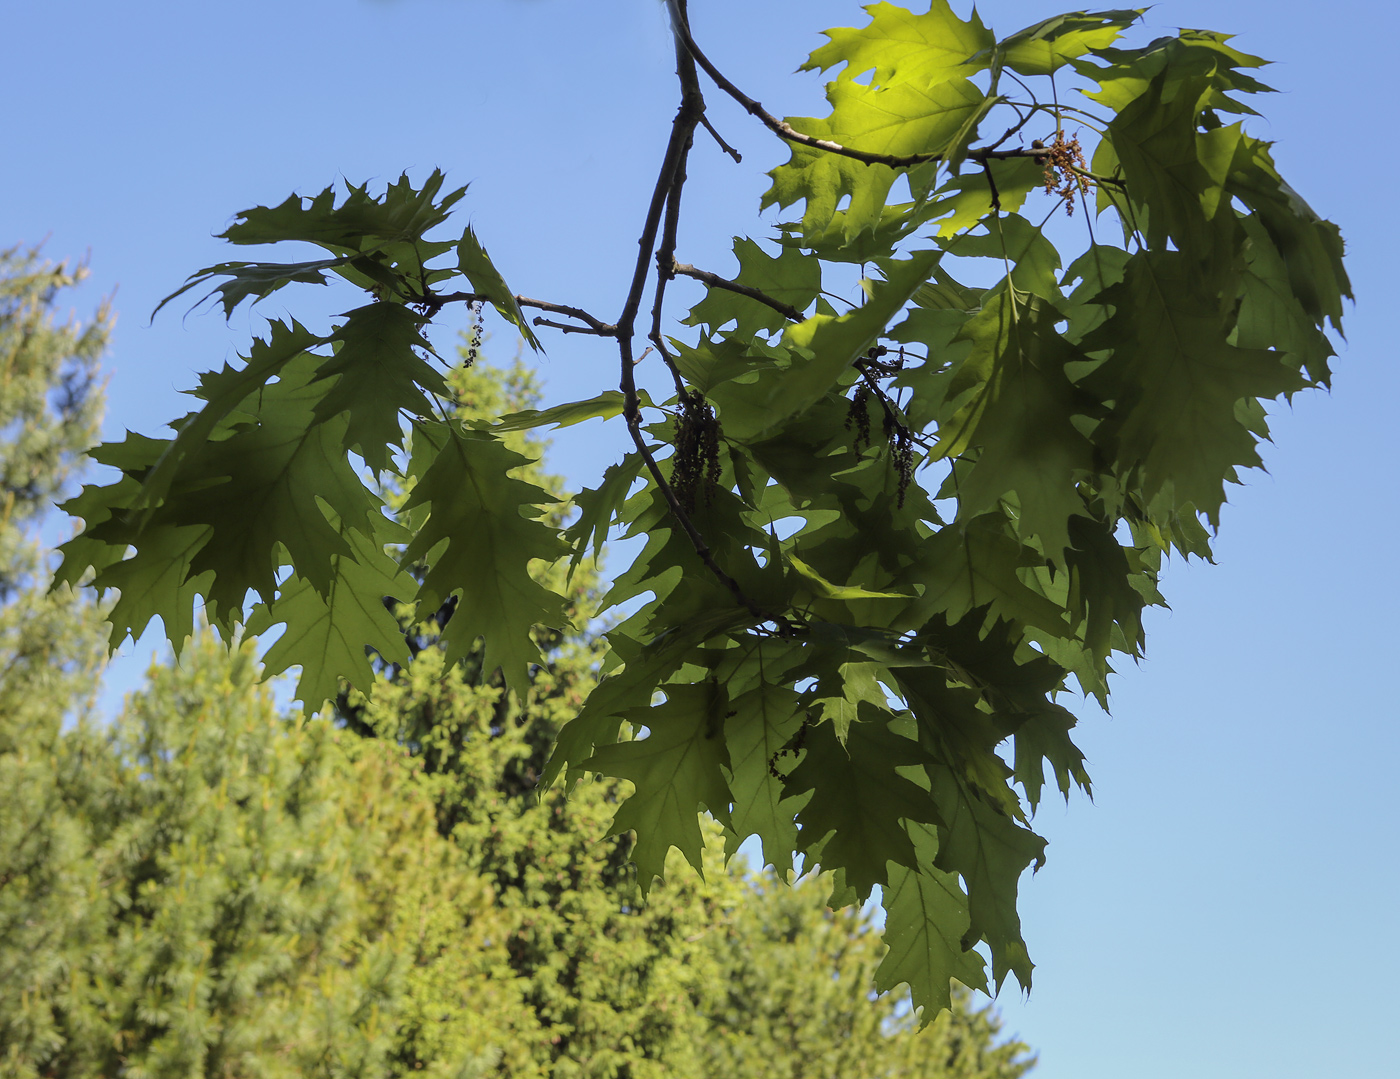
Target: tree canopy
column 904, row 473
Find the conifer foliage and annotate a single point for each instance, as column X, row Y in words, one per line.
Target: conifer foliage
column 50, row 644
column 892, row 526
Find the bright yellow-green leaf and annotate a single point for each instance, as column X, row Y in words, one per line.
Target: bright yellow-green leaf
column 899, row 46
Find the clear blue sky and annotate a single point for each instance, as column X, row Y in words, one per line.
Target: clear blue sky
column 1227, row 907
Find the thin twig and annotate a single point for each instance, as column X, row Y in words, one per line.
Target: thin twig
column 715, row 281
column 1112, row 181
column 992, row 186
column 608, row 331
column 597, row 325
column 1021, row 122
column 738, row 157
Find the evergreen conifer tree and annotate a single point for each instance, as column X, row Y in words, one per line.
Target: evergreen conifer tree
column 203, row 888
column 279, row 900
column 50, row 650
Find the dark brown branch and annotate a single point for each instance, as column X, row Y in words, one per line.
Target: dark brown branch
column 607, row 331
column 715, row 281
column 596, row 325
column 665, row 270
column 668, row 184
column 992, row 186
column 666, row 252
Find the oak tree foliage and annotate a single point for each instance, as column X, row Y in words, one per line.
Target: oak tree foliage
column 883, row 532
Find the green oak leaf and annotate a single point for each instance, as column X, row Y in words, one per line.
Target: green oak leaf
column 677, row 769
column 1103, row 595
column 834, row 244
column 989, row 851
column 904, row 119
column 711, row 362
column 1046, row 740
column 821, row 588
column 479, row 544
column 1309, row 247
column 926, row 920
column 603, row 407
column 253, row 279
column 104, row 508
column 369, row 238
column 598, row 506
column 1270, row 313
column 1178, row 382
column 1125, row 74
column 1049, row 45
column 668, row 568
column 158, row 583
column 760, row 725
column 1096, row 269
column 828, row 345
column 840, row 693
column 643, row 667
column 327, row 634
column 487, row 281
column 899, row 46
column 1014, row 689
column 1155, row 142
column 360, row 222
column 978, row 564
column 262, row 491
column 380, row 372
column 1015, row 242
column 965, row 200
column 859, row 799
column 224, row 391
column 791, row 277
column 960, row 725
column 153, row 582
column 1020, row 419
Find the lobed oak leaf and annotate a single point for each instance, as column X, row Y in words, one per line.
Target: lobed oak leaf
column 859, row 798
column 926, row 921
column 380, row 371
column 479, row 544
column 677, row 769
column 327, row 634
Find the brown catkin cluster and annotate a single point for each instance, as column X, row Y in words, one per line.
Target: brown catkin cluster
column 902, row 454
column 1062, row 158
column 858, row 416
column 696, row 461
column 474, row 337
